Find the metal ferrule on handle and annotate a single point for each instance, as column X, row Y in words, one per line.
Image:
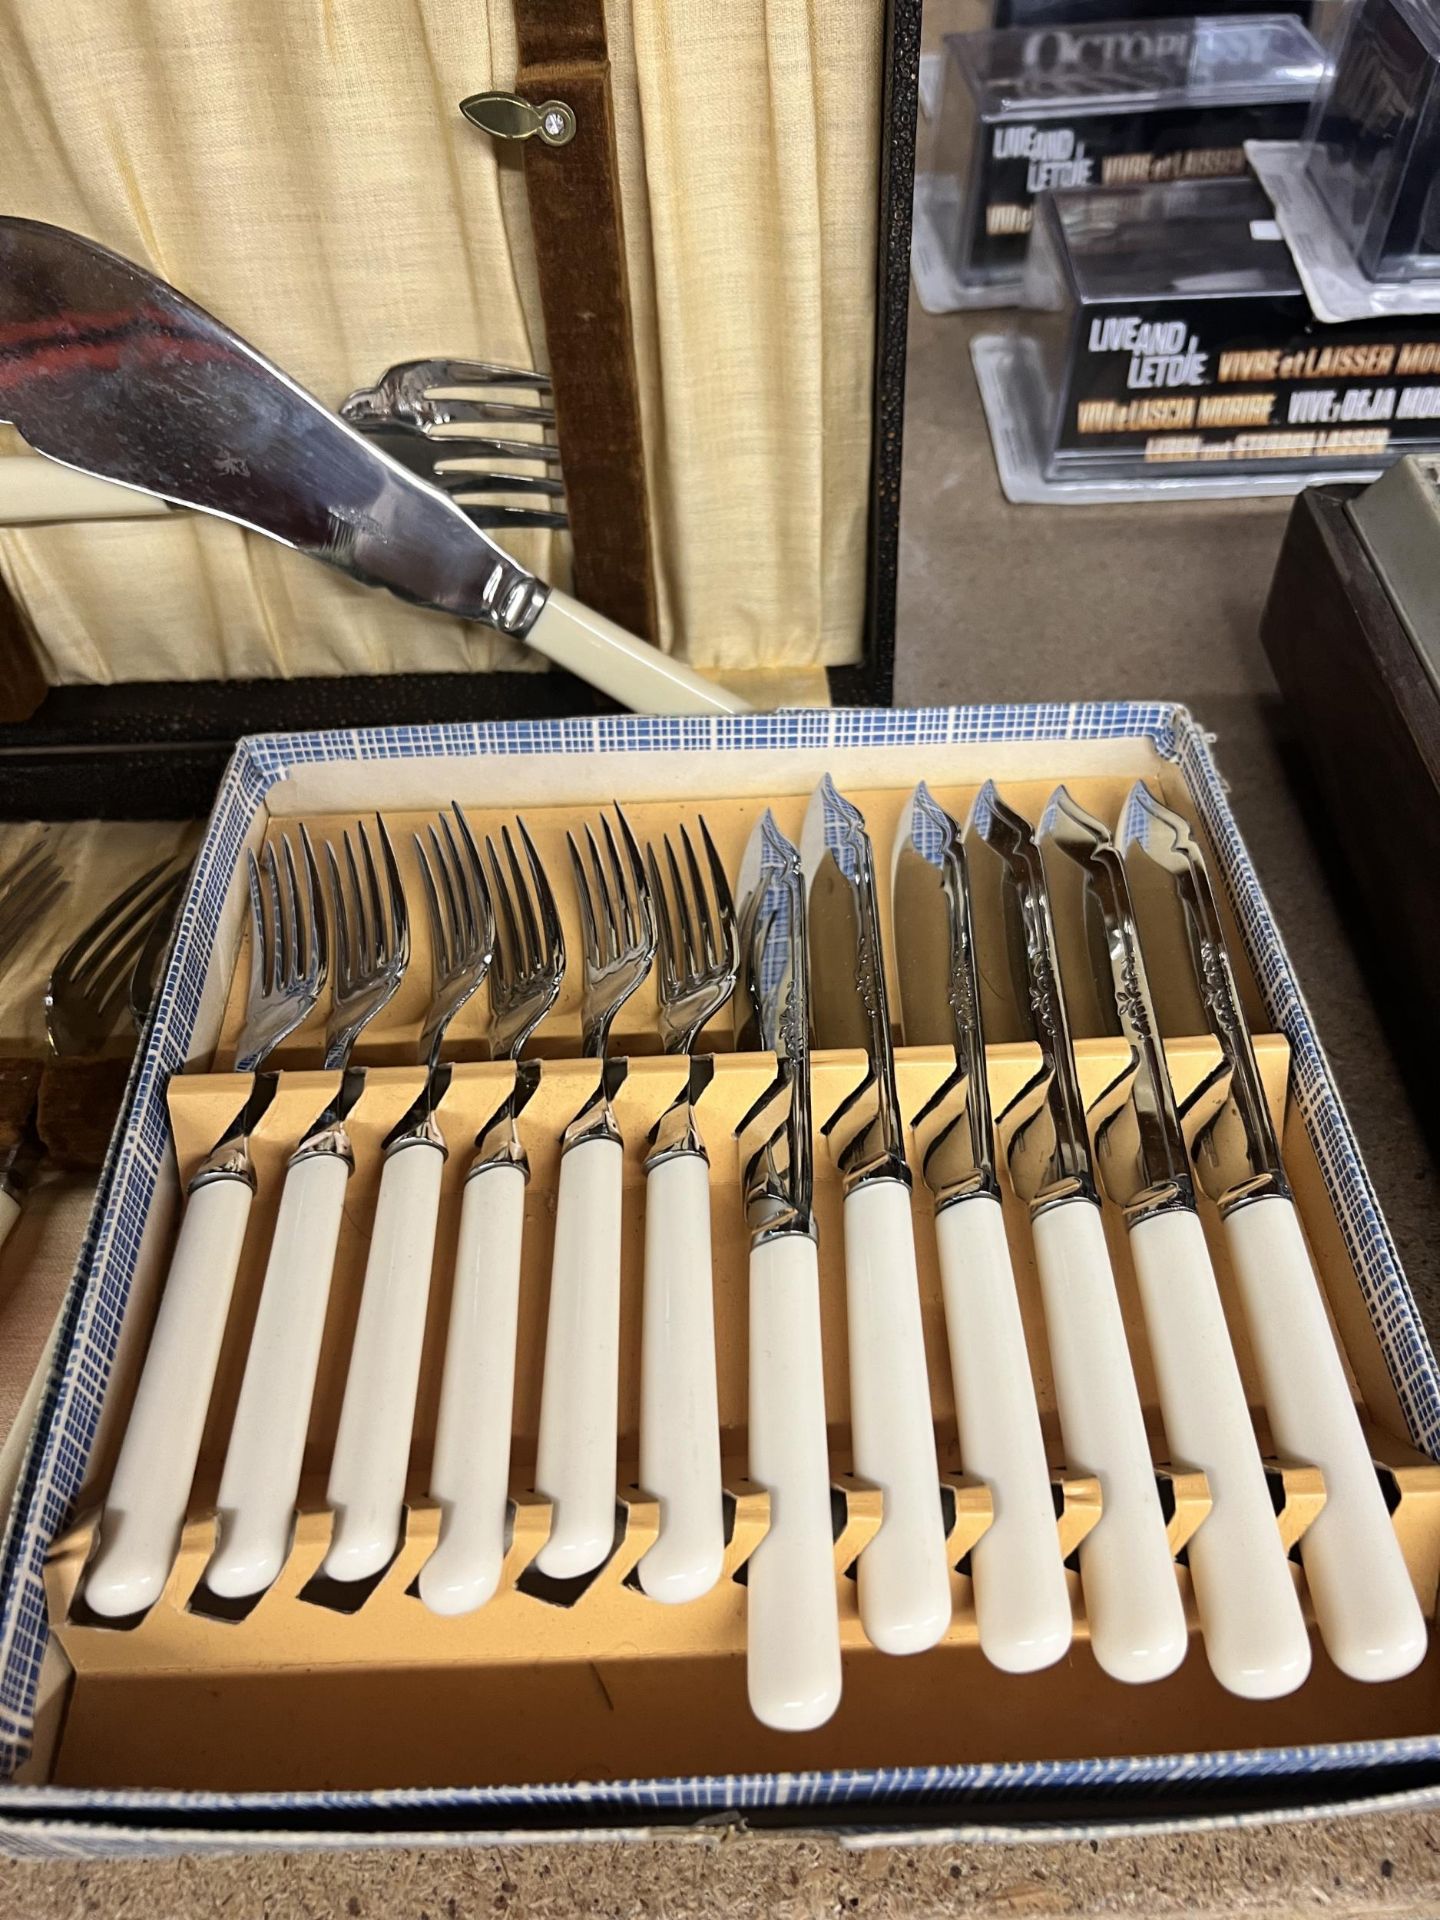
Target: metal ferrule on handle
column 145, row 1507
column 1250, row 1616
column 1369, row 1618
column 1132, row 1596
column 372, row 1447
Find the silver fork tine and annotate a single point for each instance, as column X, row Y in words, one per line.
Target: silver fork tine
column 379, row 925
column 487, row 446
column 510, row 954
column 640, row 893
column 298, row 925
column 665, row 951
column 545, row 898
column 432, row 902
column 33, row 895
column 627, row 928
column 588, row 930
column 121, row 916
column 706, row 951
column 533, row 951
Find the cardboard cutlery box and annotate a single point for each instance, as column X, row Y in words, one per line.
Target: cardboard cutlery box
column 300, row 1719
column 713, row 272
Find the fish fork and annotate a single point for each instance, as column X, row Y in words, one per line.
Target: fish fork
column 579, row 1397
column 471, row 1474
column 699, row 958
column 145, row 1507
column 29, row 887
column 89, row 984
column 266, row 1453
column 405, row 413
column 372, row 1447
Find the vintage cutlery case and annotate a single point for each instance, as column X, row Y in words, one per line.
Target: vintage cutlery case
column 611, row 1710
column 714, row 271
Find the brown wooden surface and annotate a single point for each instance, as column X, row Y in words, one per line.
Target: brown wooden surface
column 1368, row 715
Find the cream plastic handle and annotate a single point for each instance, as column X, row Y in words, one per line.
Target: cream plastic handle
column 1022, row 1599
column 9, row 1214
column 34, row 491
column 470, row 1479
column 792, row 1613
column 903, row 1574
column 267, row 1440
column 1255, row 1635
column 1369, row 1618
column 679, row 1403
column 575, row 1457
column 372, row 1446
column 145, row 1507
column 631, row 671
column 1132, row 1595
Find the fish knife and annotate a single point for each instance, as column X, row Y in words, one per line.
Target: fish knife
column 108, row 369
column 1132, row 1597
column 1022, row 1599
column 903, row 1575
column 1365, row 1605
column 793, row 1623
column 1254, row 1631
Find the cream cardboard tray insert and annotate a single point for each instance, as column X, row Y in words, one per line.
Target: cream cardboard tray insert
column 299, row 1694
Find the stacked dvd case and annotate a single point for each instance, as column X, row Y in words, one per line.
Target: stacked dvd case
column 1168, row 337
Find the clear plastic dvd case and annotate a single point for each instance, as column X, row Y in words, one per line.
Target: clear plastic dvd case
column 1026, row 110
column 1374, row 139
column 1167, row 338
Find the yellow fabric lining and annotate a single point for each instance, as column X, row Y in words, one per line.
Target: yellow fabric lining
column 300, row 167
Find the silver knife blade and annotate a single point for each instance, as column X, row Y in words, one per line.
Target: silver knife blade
column 106, row 368
column 940, row 996
column 771, row 1014
column 1022, row 999
column 849, row 1006
column 1139, row 1146
column 1236, row 1155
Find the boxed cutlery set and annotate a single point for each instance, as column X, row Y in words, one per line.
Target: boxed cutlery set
column 1003, row 1409
column 624, row 413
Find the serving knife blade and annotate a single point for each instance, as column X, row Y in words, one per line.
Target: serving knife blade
column 1132, row 1598
column 793, row 1623
column 1365, row 1605
column 108, row 369
column 903, row 1575
column 1254, row 1632
column 1022, row 1599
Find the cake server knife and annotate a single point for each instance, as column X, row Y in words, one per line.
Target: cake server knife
column 1022, row 1601
column 108, row 369
column 903, row 1575
column 1132, row 1598
column 1369, row 1618
column 793, row 1621
column 1255, row 1635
